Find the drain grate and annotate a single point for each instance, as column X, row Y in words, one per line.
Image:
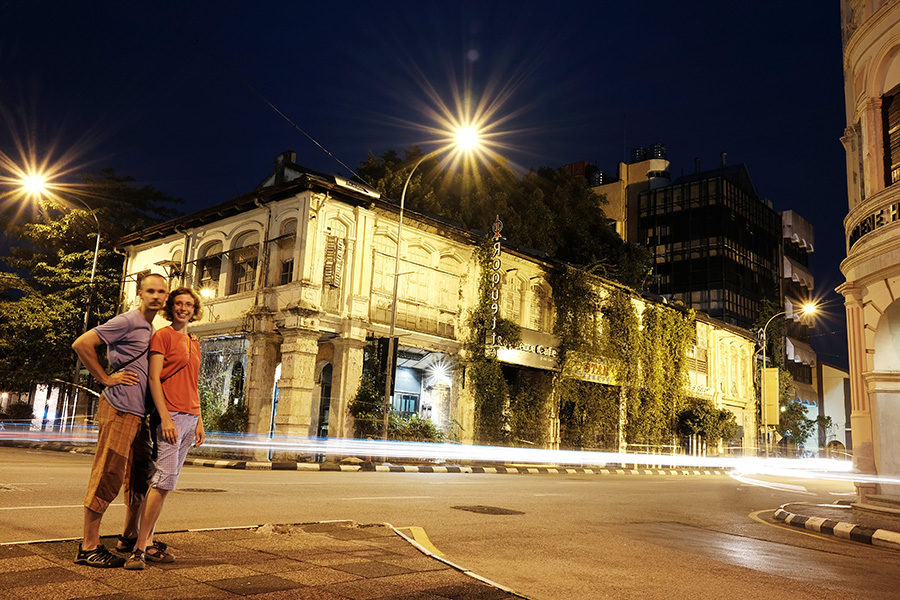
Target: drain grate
column 488, row 510
column 201, row 490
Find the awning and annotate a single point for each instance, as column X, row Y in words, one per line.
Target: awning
column 799, row 352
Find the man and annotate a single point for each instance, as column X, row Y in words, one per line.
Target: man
column 120, row 413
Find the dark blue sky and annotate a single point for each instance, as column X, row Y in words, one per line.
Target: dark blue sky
column 177, row 97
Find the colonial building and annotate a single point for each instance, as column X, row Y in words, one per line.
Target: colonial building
column 871, row 39
column 298, row 276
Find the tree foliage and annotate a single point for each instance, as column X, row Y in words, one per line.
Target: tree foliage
column 545, row 209
column 45, row 275
column 701, row 418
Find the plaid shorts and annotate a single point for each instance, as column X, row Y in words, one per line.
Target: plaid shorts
column 113, row 459
column 171, row 456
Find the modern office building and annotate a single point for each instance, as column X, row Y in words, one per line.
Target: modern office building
column 715, row 243
column 871, row 40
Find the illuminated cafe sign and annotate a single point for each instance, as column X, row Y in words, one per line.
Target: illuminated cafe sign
column 536, row 350
column 879, row 218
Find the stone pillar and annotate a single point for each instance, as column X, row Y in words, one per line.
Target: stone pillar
column 884, row 396
column 262, row 358
column 298, row 365
column 874, row 146
column 860, row 414
column 347, row 364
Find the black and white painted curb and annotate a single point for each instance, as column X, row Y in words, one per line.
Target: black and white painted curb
column 848, row 531
column 292, row 466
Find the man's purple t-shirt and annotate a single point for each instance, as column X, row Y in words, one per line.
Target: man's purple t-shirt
column 126, row 336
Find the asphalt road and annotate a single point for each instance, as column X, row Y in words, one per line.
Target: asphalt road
column 566, row 536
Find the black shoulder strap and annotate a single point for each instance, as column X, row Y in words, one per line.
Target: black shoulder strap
column 134, row 358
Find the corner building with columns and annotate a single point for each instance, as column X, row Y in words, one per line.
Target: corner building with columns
column 871, row 42
column 297, row 278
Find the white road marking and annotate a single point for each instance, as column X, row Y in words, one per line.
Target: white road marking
column 387, row 498
column 48, row 506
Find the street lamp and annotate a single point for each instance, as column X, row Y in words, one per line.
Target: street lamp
column 808, row 309
column 35, row 185
column 465, row 139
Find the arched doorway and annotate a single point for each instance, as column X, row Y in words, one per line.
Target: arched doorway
column 884, row 394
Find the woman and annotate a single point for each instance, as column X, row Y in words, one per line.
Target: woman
column 174, row 375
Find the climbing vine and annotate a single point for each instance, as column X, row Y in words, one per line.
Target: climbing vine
column 490, row 389
column 645, row 355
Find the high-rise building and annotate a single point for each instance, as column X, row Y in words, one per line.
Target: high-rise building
column 796, row 290
column 715, row 243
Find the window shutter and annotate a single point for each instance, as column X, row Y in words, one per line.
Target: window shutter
column 334, row 261
column 890, row 118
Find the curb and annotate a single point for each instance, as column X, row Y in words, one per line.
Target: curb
column 250, row 465
column 291, row 466
column 884, row 538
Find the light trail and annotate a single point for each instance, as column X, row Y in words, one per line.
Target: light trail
column 806, row 468
column 797, row 468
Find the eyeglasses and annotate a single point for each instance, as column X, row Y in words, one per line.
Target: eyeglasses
column 183, row 304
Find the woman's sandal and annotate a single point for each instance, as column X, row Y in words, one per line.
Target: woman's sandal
column 156, row 554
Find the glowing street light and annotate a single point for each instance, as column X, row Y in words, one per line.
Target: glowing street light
column 465, row 139
column 35, row 185
column 808, row 309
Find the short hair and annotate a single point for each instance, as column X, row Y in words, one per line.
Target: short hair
column 144, row 278
column 169, row 307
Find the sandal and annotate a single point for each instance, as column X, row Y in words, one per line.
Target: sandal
column 154, row 554
column 126, row 544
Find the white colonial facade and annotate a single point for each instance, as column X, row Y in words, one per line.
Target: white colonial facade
column 298, row 275
column 871, row 37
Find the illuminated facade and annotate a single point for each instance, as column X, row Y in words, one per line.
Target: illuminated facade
column 300, row 278
column 871, row 40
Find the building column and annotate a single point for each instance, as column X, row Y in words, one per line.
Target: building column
column 298, row 366
column 860, row 414
column 347, row 364
column 262, row 358
column 874, row 146
column 884, row 396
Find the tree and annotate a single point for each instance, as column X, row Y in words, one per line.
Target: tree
column 45, row 277
column 546, row 209
column 701, row 418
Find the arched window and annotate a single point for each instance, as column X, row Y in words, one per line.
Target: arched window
column 512, row 298
column 209, row 267
column 244, row 256
column 285, row 253
column 540, row 309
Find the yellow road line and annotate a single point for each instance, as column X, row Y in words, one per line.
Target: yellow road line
column 789, row 527
column 419, row 535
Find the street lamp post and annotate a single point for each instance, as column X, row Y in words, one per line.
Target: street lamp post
column 36, row 185
column 466, row 139
column 808, row 309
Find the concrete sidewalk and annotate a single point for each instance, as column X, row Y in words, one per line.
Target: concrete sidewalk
column 316, row 561
column 866, row 524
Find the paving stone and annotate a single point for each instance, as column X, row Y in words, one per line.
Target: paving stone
column 277, row 565
column 24, row 563
column 213, row 572
column 15, row 551
column 197, row 591
column 319, row 576
column 371, row 568
column 472, row 591
column 77, row 588
column 44, row 575
column 305, row 593
column 257, row 584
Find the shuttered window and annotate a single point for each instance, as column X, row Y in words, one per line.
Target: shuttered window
column 890, row 119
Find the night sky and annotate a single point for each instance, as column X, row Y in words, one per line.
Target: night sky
column 182, row 99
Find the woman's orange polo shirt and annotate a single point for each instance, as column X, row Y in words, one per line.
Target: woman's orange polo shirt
column 181, row 369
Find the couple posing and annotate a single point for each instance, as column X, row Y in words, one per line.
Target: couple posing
column 131, row 447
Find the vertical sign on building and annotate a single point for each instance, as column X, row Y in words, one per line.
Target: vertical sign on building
column 497, row 227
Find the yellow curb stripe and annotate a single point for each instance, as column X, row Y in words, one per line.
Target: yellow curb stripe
column 421, row 538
